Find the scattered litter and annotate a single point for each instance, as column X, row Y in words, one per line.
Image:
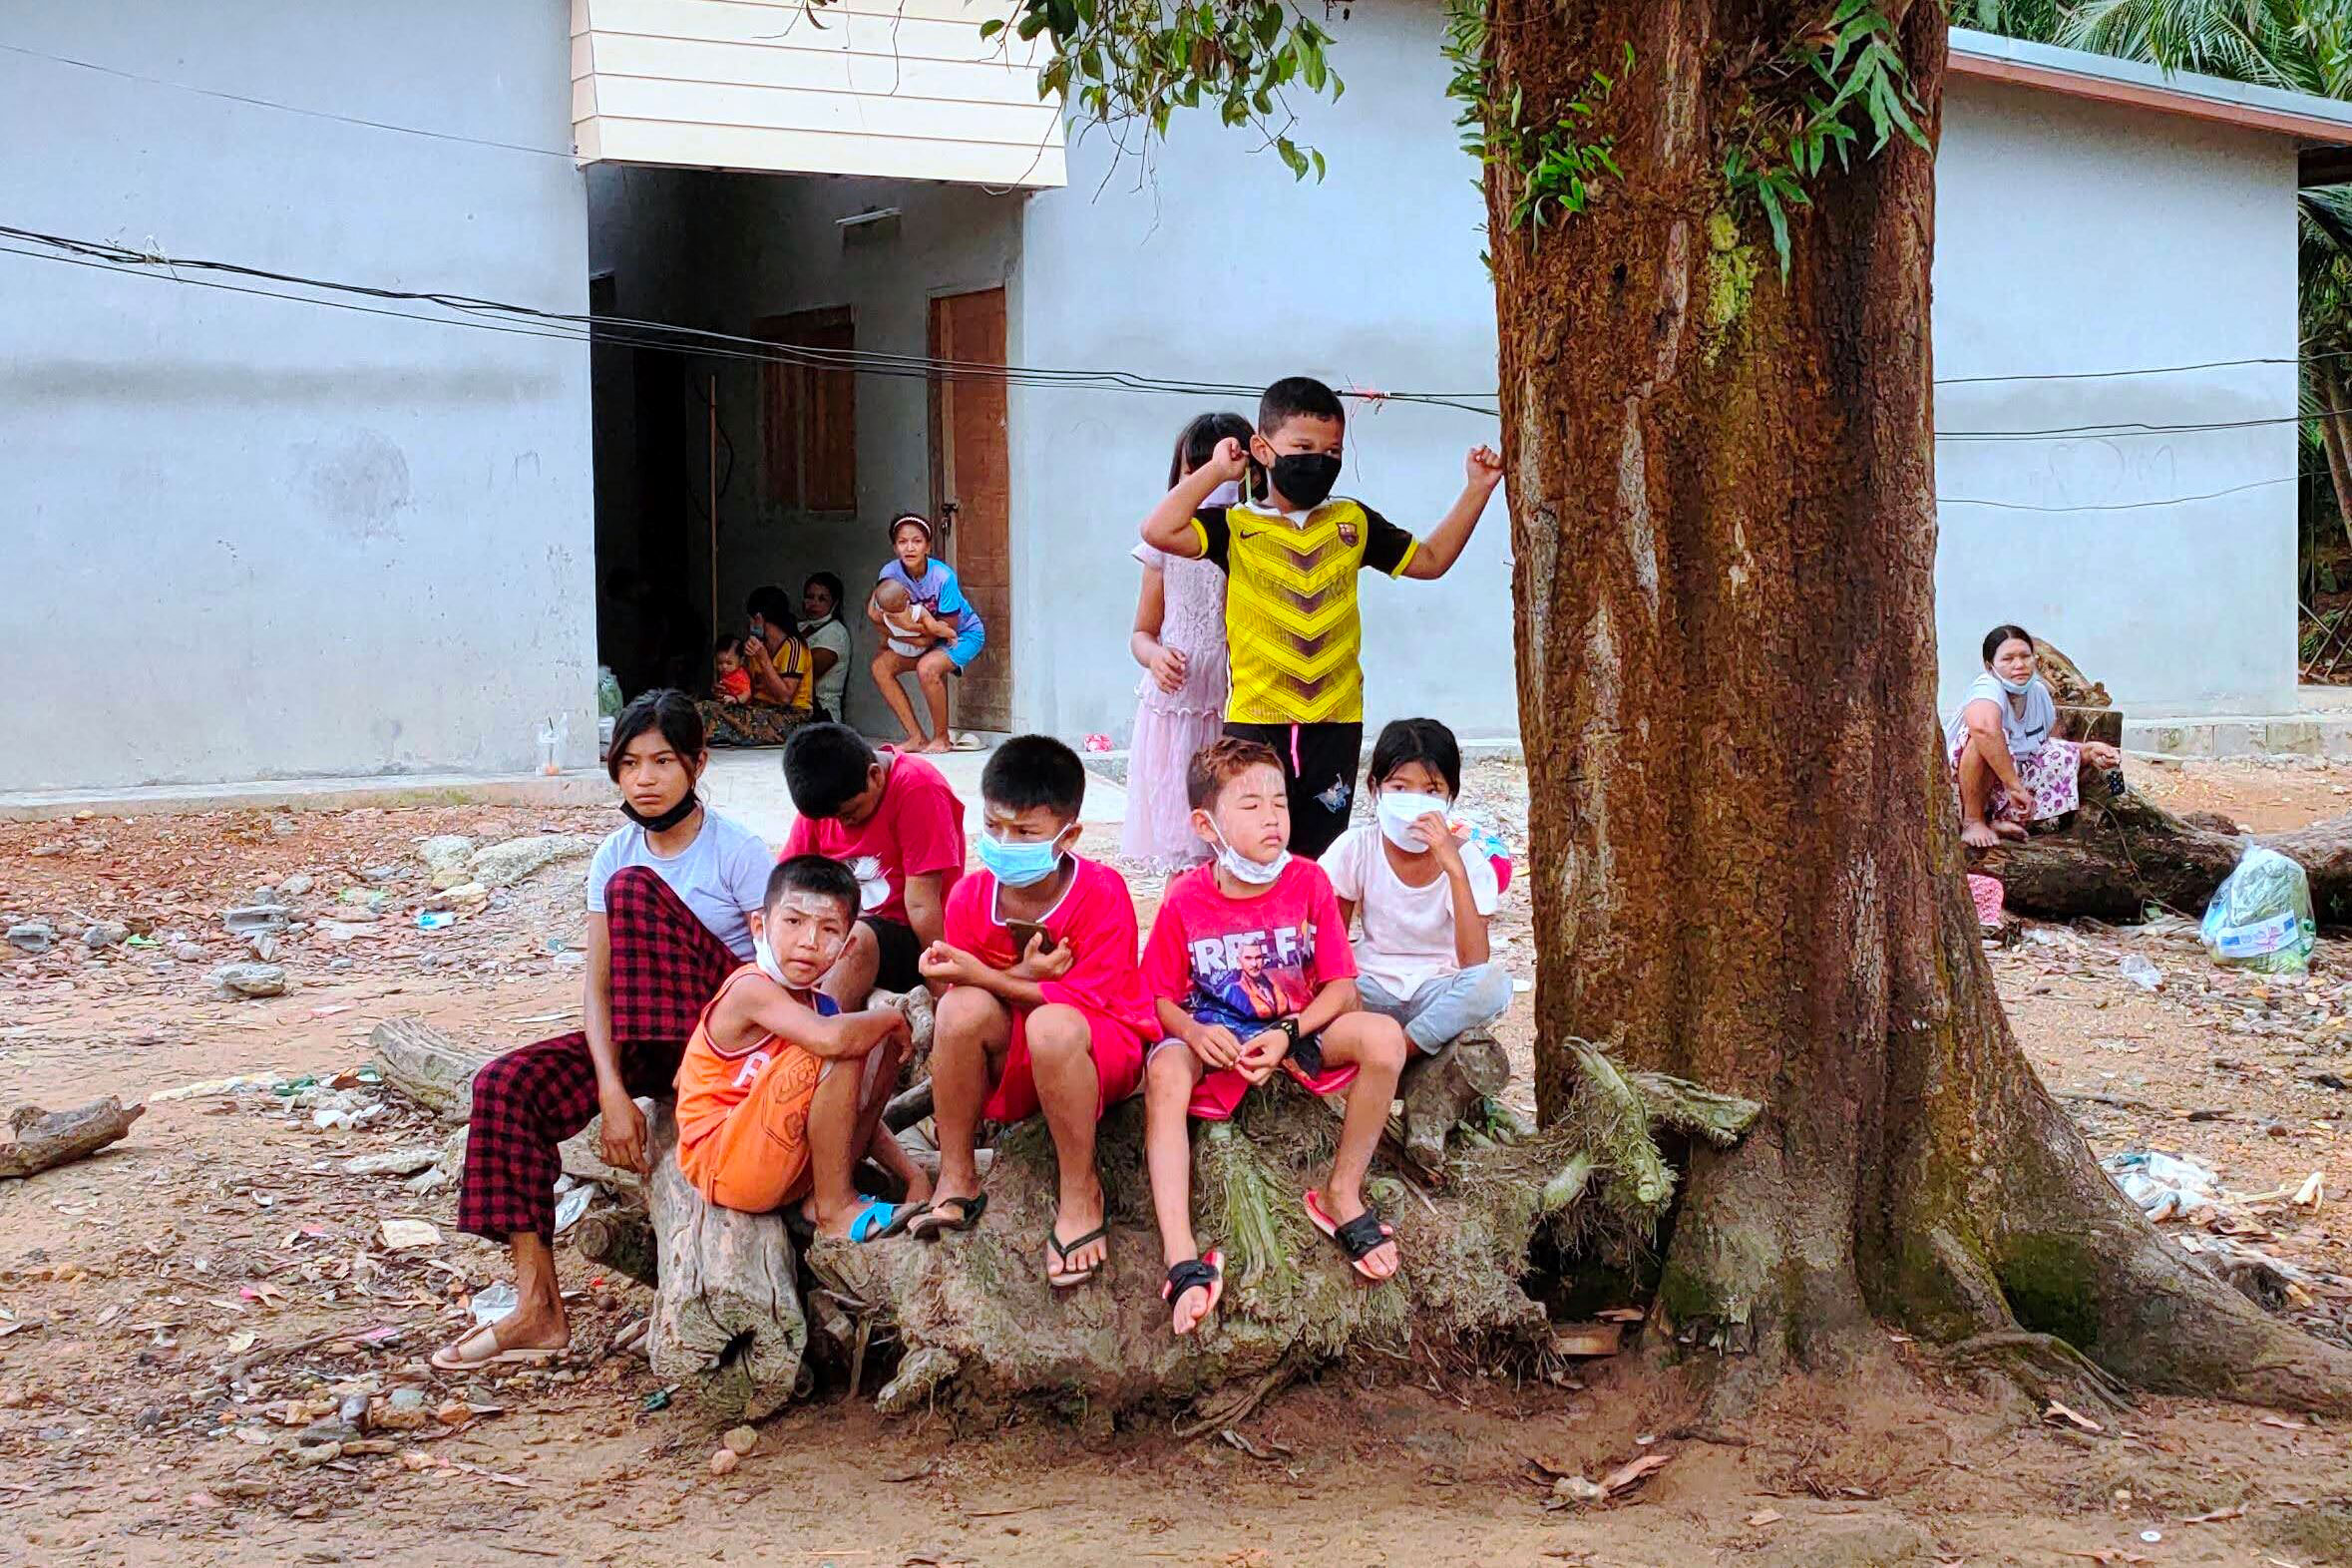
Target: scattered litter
column 205, row 1089
column 2060, row 1416
column 1633, row 1472
column 396, row 1162
column 403, row 1235
column 658, row 1399
column 1764, row 1516
column 2308, row 1195
column 2151, row 1536
column 2140, row 973
column 2218, row 1514
column 2283, row 1425
column 1576, row 1490
column 1987, row 893
column 574, row 1204
column 2260, row 917
column 2164, row 1185
column 435, row 920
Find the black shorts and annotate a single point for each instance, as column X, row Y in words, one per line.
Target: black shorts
column 898, row 950
column 1318, row 764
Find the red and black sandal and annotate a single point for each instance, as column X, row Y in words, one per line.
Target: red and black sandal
column 1360, row 1238
column 1204, row 1273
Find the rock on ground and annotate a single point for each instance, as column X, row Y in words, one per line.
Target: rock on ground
column 504, row 865
column 445, row 851
column 251, row 979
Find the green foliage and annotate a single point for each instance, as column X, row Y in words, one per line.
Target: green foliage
column 1120, row 63
column 2038, row 20
column 1553, row 165
column 2303, row 46
column 1814, row 103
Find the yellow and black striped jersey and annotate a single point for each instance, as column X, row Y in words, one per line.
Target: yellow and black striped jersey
column 1292, row 629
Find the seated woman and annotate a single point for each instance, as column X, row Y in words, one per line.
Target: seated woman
column 783, row 686
column 2010, row 769
column 670, row 898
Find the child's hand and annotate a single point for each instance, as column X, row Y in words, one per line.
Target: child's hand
column 1439, row 836
column 1041, row 962
column 1216, row 1047
column 1263, row 1055
column 1483, row 469
column 1167, row 668
column 1228, row 463
column 947, row 965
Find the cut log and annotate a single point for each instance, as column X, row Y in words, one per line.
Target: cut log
column 907, row 1108
column 2122, row 854
column 47, row 1138
column 977, row 1323
column 729, row 1318
column 1438, row 1091
column 2101, row 724
column 623, row 1240
column 422, row 1064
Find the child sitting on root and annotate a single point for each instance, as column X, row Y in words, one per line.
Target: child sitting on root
column 1250, row 965
column 780, row 1092
column 1042, row 1005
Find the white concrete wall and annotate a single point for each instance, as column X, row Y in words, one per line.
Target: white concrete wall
column 2073, row 236
column 243, row 537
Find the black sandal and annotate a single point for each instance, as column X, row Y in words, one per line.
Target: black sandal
column 931, row 1222
column 1359, row 1238
column 1204, row 1273
column 1062, row 1250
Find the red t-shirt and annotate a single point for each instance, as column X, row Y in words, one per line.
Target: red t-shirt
column 916, row 829
column 1244, row 963
column 1095, row 919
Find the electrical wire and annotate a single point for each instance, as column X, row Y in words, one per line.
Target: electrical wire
column 2119, row 505
column 292, row 109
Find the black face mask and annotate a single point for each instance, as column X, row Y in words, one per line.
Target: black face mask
column 1304, row 478
column 686, row 807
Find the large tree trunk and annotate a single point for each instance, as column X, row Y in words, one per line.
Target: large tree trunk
column 1747, row 864
column 2331, row 438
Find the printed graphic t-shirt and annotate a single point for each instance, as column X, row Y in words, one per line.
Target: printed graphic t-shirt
column 1095, row 919
column 1244, row 963
column 1291, row 629
column 916, row 829
column 711, row 1082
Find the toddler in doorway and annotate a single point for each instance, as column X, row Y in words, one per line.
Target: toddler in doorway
column 730, row 681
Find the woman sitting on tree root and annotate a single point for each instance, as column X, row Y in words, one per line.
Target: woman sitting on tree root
column 2010, row 769
column 670, row 900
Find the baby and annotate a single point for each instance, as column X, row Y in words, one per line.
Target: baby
column 902, row 620
column 730, row 681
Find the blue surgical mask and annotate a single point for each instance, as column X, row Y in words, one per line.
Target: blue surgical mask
column 1019, row 865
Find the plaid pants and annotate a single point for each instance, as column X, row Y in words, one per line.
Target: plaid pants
column 665, row 967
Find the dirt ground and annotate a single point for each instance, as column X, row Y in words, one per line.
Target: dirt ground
column 174, row 1310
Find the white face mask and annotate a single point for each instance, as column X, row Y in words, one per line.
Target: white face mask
column 1243, row 869
column 2016, row 689
column 1224, row 495
column 765, row 957
column 1400, row 813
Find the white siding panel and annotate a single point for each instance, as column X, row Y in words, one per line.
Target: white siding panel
column 905, row 89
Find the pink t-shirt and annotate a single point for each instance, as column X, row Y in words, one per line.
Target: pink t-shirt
column 918, row 829
column 1095, row 917
column 1244, row 963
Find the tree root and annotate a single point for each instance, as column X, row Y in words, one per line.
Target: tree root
column 2042, row 1364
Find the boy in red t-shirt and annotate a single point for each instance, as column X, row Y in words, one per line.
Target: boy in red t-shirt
column 1249, row 964
column 895, row 821
column 1042, row 1006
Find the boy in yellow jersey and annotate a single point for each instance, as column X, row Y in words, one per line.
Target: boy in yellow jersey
column 1290, row 551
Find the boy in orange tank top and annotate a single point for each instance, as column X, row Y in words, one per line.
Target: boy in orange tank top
column 780, row 1093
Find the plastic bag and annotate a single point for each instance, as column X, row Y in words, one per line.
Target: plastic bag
column 607, row 692
column 2260, row 917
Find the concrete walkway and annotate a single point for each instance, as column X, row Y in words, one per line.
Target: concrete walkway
column 749, row 787
column 2320, row 726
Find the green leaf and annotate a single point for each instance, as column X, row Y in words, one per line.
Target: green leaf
column 991, row 27
column 1268, row 24
column 1031, row 25
column 1319, row 169
column 1779, row 219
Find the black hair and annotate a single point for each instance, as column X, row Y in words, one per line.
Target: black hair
column 668, row 710
column 2000, row 635
column 830, row 584
column 1422, row 740
column 930, row 535
column 1293, row 396
column 813, row 874
column 1197, row 442
column 773, row 605
column 825, row 766
column 1034, row 770
column 728, row 642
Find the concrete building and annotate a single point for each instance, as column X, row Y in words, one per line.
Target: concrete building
column 379, row 547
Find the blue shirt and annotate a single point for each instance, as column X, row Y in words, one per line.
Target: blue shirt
column 937, row 591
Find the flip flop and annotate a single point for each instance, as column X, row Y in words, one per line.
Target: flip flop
column 1204, row 1273
column 1360, row 1238
column 965, row 740
column 873, row 1221
column 448, row 1359
column 1063, row 1279
column 931, row 1222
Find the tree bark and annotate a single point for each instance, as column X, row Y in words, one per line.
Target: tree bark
column 1747, row 864
column 2331, row 438
column 43, row 1140
column 425, row 1067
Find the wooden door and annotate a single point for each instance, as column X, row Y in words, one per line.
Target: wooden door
column 971, row 493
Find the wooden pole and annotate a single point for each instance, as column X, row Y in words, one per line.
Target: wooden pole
column 713, row 474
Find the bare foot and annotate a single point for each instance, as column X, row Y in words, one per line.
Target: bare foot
column 1381, row 1262
column 1978, row 836
column 1070, row 1221
column 943, row 743
column 919, row 1187
column 2011, row 831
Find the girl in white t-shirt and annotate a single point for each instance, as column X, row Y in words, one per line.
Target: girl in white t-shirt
column 1424, row 905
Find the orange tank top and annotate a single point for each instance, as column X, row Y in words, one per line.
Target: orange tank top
column 710, row 1081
